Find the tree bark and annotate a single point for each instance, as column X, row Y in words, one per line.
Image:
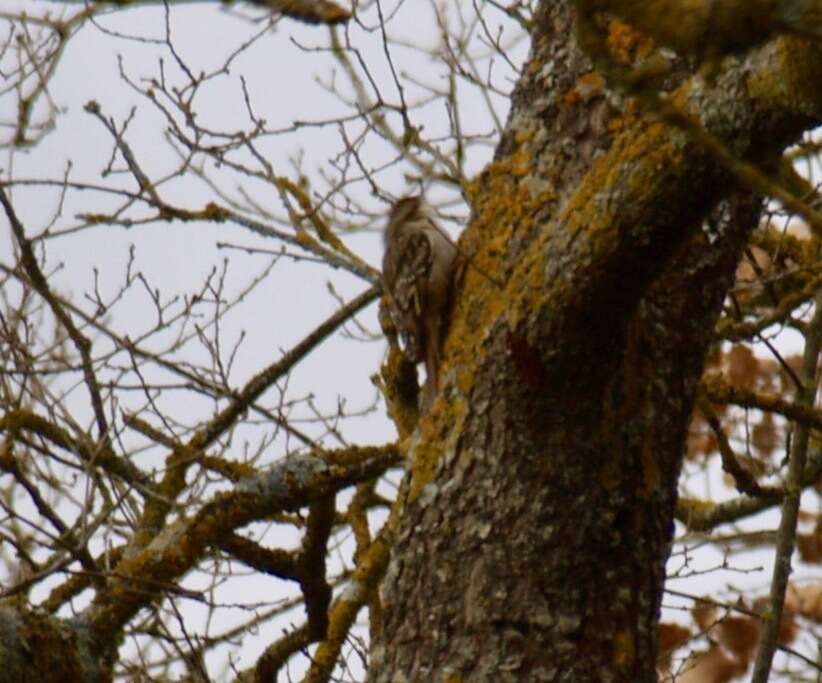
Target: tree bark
column 542, row 484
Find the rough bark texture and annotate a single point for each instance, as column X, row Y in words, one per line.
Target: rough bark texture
column 542, row 485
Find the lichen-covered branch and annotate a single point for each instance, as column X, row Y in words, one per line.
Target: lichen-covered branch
column 720, row 392
column 370, row 569
column 81, row 342
column 714, row 27
column 307, row 11
column 140, row 576
column 701, row 515
column 174, row 479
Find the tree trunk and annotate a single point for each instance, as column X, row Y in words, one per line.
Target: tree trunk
column 542, row 484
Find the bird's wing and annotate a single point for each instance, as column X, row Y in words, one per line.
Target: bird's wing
column 409, row 270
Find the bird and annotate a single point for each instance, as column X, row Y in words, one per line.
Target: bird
column 417, row 277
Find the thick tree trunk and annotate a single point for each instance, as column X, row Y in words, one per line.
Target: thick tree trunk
column 540, row 499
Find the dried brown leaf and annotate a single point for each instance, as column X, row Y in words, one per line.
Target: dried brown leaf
column 755, row 261
column 810, row 547
column 671, row 636
column 713, row 666
column 806, row 600
column 788, row 629
column 764, row 435
column 742, row 366
column 704, row 615
column 740, row 635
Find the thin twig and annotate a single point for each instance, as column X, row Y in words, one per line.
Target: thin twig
column 786, row 536
column 81, row 342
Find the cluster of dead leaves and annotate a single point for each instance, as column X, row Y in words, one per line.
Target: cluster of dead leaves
column 764, row 451
column 732, row 636
column 724, row 640
column 739, row 367
column 720, row 643
column 809, row 545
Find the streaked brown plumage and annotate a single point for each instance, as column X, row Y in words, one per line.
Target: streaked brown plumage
column 417, row 270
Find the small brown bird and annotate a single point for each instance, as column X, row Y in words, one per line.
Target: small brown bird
column 417, row 271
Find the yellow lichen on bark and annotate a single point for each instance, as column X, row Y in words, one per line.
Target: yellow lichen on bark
column 503, row 206
column 793, row 75
column 626, row 44
column 624, row 650
column 694, row 506
column 651, row 474
column 633, row 167
column 588, row 85
column 679, row 29
column 699, row 26
column 437, row 434
column 369, row 571
column 398, row 384
column 638, row 374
